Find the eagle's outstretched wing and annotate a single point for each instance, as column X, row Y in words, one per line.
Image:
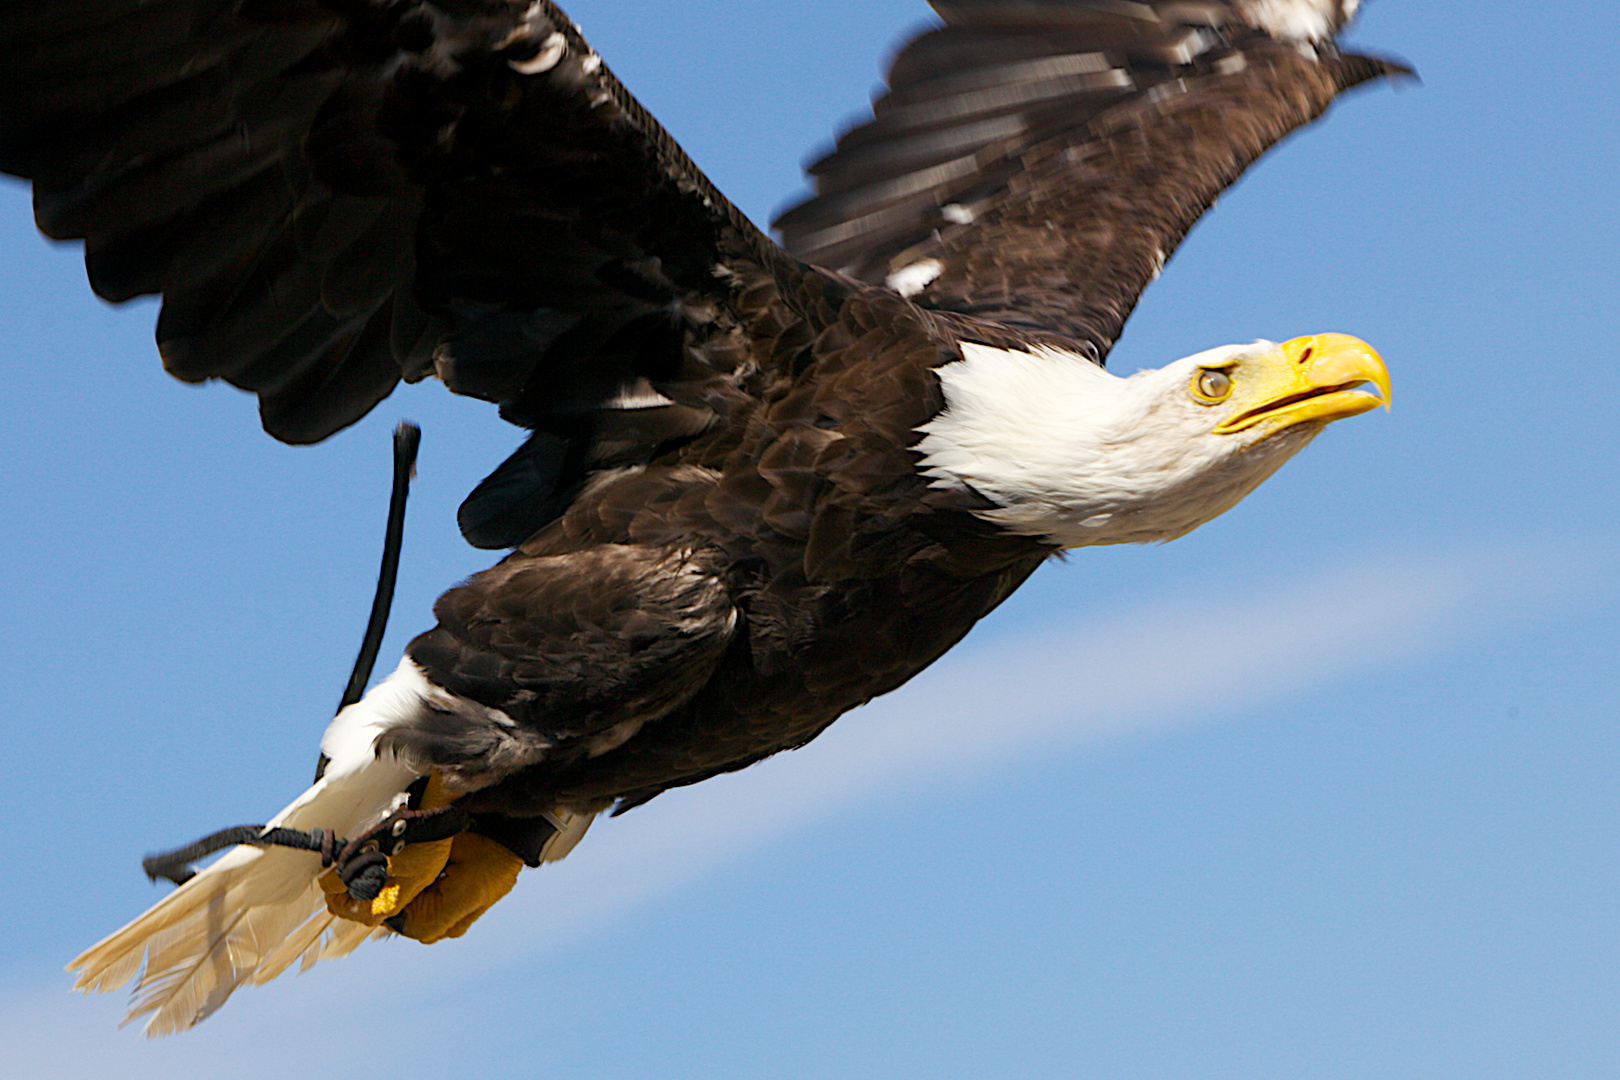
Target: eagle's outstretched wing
column 332, row 196
column 1034, row 162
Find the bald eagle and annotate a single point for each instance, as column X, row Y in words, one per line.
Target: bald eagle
column 764, row 482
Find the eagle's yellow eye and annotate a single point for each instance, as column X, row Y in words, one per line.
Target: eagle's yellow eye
column 1212, row 385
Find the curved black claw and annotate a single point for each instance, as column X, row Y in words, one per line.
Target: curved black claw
column 365, row 874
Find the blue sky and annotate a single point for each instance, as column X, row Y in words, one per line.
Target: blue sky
column 1326, row 789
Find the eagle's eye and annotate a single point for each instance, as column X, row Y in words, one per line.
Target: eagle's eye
column 1211, row 386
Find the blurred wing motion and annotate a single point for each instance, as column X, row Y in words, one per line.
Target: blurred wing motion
column 761, row 486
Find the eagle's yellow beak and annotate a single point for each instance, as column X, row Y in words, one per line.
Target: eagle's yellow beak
column 1311, row 378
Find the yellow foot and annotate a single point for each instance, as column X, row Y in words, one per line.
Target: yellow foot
column 435, row 889
column 409, row 873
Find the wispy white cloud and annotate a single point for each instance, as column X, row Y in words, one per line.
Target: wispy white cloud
column 1067, row 689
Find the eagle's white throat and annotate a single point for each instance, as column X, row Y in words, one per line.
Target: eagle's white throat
column 1079, row 457
column 1299, row 20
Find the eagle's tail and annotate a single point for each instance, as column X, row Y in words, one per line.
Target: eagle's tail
column 253, row 912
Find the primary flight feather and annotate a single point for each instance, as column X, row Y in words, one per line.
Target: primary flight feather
column 763, row 483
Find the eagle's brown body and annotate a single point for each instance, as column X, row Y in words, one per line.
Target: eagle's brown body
column 733, row 600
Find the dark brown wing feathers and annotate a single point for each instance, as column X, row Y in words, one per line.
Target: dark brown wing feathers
column 1049, row 157
column 326, row 208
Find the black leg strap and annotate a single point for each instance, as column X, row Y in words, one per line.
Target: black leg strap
column 362, row 863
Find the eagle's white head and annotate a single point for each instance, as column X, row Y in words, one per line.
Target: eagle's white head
column 1077, row 456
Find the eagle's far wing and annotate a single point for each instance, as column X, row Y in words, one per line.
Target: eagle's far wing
column 1034, row 162
column 332, row 195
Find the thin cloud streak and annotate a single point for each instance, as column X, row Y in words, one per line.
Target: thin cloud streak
column 1068, row 689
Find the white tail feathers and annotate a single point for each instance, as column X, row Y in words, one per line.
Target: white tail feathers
column 255, row 911
column 232, row 923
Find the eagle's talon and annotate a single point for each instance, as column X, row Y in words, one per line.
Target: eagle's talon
column 365, row 875
column 369, row 886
